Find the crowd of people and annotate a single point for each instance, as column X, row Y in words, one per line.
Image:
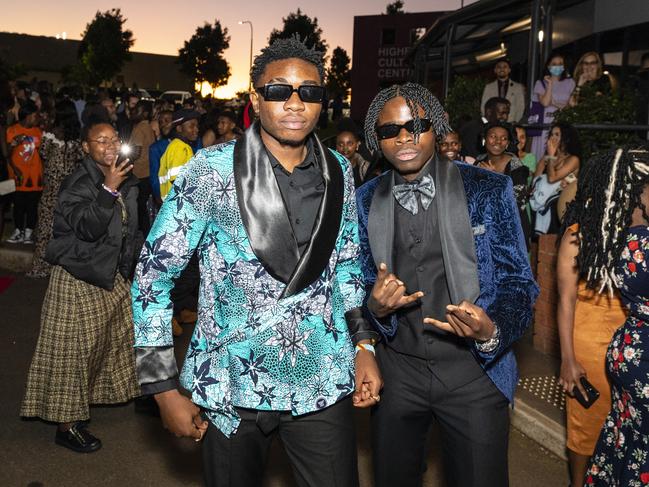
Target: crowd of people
column 392, row 273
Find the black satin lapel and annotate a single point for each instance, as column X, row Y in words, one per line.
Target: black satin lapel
column 262, row 208
column 315, row 257
column 380, row 222
column 456, row 233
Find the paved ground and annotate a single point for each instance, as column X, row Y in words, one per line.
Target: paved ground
column 137, row 451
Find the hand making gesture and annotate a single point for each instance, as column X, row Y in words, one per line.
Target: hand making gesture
column 389, row 294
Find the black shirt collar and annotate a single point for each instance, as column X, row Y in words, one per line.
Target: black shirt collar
column 308, row 160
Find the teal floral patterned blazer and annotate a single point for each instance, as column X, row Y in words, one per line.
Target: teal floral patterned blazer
column 271, row 331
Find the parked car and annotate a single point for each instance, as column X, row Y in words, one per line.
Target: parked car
column 144, row 94
column 176, row 97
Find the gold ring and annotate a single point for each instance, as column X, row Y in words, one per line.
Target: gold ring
column 377, row 398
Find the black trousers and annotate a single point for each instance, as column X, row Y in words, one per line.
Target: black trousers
column 184, row 294
column 473, row 423
column 143, row 220
column 321, row 447
column 26, row 209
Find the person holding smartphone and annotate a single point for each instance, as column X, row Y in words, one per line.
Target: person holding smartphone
column 586, row 321
column 613, row 239
column 84, row 353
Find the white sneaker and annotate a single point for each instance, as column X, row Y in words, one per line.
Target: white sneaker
column 28, row 236
column 17, row 237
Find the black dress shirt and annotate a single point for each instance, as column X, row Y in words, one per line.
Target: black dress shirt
column 302, row 191
column 419, row 263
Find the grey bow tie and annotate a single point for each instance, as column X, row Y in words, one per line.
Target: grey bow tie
column 406, row 194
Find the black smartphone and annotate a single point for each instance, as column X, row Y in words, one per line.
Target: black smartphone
column 129, row 152
column 592, row 394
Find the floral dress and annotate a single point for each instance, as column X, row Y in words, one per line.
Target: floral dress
column 59, row 159
column 621, row 455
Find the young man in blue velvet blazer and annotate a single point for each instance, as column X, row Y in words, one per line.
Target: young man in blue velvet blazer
column 449, row 288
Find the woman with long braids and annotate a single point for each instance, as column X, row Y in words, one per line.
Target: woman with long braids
column 586, row 320
column 613, row 238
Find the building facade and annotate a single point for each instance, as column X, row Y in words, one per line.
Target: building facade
column 381, row 44
column 45, row 58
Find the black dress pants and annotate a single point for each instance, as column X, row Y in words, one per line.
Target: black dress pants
column 321, row 447
column 143, row 219
column 26, row 209
column 473, row 420
column 184, row 294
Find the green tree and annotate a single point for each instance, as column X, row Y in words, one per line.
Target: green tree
column 338, row 75
column 618, row 108
column 202, row 56
column 306, row 28
column 105, row 46
column 463, row 100
column 11, row 71
column 394, row 8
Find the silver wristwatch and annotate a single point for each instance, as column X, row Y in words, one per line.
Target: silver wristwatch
column 491, row 344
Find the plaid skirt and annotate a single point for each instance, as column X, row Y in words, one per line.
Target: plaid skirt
column 84, row 353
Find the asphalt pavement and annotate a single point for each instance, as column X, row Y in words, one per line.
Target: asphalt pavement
column 137, row 451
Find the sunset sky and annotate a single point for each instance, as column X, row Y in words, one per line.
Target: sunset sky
column 162, row 26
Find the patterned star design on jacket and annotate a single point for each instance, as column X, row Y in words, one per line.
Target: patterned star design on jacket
column 153, row 256
column 202, row 379
column 183, row 194
column 266, row 395
column 290, row 340
column 147, row 296
column 184, row 224
column 253, row 366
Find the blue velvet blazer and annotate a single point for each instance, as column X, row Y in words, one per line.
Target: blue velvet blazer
column 484, row 253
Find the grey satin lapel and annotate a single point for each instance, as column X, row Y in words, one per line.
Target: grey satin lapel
column 380, row 222
column 456, row 234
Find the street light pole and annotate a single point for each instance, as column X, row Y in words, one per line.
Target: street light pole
column 241, row 22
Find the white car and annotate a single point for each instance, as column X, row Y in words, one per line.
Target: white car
column 176, row 97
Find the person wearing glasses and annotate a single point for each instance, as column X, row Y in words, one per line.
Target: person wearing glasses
column 449, row 288
column 281, row 347
column 591, row 80
column 84, row 354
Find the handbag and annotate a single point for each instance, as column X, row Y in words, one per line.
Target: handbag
column 536, row 114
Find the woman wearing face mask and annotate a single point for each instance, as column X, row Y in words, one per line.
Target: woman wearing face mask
column 590, row 77
column 553, row 92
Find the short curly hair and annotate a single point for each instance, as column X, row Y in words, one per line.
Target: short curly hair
column 289, row 48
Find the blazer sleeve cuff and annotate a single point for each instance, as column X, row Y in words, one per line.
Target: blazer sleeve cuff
column 156, row 369
column 359, row 327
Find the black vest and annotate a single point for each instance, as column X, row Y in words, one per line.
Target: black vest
column 419, row 263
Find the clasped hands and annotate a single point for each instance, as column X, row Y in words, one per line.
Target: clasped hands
column 465, row 319
column 180, row 415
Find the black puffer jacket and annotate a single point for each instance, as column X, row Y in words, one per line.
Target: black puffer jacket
column 87, row 238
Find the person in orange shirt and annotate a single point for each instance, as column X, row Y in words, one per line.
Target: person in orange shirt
column 26, row 167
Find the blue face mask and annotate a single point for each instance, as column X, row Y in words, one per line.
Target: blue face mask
column 556, row 70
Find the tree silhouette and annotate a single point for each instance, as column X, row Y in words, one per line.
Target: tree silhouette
column 306, row 28
column 105, row 46
column 338, row 74
column 202, row 56
column 394, row 8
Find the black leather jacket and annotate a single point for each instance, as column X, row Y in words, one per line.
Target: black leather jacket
column 88, row 240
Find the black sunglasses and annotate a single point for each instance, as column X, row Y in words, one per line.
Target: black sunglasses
column 391, row 130
column 282, row 92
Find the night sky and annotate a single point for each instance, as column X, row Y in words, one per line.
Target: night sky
column 162, row 26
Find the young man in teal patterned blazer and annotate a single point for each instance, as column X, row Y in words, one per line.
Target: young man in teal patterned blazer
column 273, row 220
